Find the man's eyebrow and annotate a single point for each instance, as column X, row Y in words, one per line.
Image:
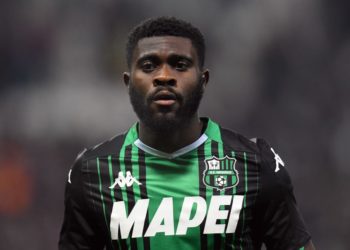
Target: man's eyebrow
column 181, row 56
column 147, row 57
column 173, row 56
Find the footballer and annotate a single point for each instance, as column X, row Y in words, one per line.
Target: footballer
column 175, row 180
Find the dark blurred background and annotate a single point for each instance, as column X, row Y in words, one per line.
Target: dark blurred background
column 279, row 70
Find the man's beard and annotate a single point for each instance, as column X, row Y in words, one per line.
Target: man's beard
column 167, row 121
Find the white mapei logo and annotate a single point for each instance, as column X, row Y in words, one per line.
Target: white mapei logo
column 163, row 219
column 121, row 181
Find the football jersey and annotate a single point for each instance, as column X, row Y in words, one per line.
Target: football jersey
column 223, row 191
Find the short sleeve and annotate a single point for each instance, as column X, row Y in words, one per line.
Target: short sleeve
column 78, row 230
column 279, row 223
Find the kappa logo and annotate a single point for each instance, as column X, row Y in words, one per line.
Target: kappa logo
column 122, row 181
column 69, row 174
column 278, row 160
column 220, row 173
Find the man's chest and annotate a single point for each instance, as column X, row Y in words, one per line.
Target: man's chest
column 144, row 196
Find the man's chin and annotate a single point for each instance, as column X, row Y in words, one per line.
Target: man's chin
column 163, row 122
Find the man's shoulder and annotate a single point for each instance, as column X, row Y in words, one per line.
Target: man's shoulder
column 257, row 146
column 239, row 142
column 108, row 147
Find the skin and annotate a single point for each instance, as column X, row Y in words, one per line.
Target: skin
column 169, row 64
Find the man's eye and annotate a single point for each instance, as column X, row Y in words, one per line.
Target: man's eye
column 182, row 65
column 147, row 66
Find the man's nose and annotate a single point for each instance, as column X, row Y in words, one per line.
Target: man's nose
column 164, row 77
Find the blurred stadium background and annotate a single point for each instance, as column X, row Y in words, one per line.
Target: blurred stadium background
column 279, row 70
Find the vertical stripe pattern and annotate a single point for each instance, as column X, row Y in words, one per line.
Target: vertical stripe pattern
column 218, row 153
column 162, row 178
column 101, row 193
column 143, row 190
column 202, row 191
column 129, row 189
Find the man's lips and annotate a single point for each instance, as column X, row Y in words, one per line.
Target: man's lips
column 165, row 102
column 164, row 98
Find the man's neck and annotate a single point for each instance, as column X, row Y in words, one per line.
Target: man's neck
column 171, row 141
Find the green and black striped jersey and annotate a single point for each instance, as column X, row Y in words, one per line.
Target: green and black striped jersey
column 221, row 192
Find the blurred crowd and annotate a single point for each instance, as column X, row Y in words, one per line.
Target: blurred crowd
column 279, row 69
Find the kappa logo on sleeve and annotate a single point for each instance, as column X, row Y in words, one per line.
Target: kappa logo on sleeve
column 69, row 174
column 122, row 181
column 278, row 161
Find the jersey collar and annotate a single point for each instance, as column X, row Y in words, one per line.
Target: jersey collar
column 212, row 132
column 175, row 154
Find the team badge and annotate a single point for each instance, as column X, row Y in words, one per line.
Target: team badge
column 220, row 173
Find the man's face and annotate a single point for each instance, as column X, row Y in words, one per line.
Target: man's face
column 165, row 82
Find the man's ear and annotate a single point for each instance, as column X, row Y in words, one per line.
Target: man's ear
column 126, row 77
column 205, row 78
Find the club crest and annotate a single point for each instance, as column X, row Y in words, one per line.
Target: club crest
column 220, row 173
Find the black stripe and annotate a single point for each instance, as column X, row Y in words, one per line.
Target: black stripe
column 104, row 172
column 130, row 190
column 240, row 191
column 229, row 237
column 115, row 245
column 240, row 169
column 93, row 183
column 143, row 190
column 215, row 151
column 123, row 243
column 202, row 191
column 239, row 239
column 116, row 169
column 252, row 177
column 212, row 179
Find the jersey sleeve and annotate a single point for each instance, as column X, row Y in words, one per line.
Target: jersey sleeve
column 279, row 224
column 78, row 230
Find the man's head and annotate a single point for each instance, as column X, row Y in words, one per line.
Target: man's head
column 166, row 26
column 166, row 79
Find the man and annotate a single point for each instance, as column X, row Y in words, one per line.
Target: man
column 174, row 180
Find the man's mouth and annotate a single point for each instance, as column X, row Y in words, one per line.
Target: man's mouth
column 164, row 98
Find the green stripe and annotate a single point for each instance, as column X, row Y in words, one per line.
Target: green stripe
column 213, row 131
column 131, row 136
column 160, row 169
column 100, row 186
column 302, row 248
column 110, row 168
column 207, row 154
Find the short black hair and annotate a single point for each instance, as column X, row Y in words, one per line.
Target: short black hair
column 166, row 26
